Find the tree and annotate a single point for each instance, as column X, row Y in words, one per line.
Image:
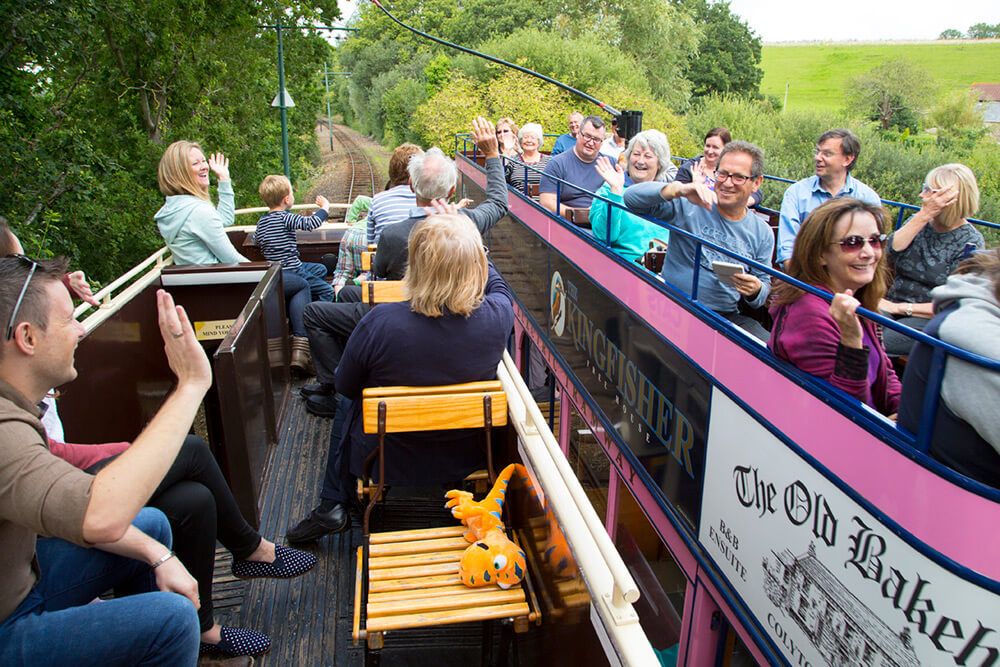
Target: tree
column 984, row 31
column 728, row 56
column 890, row 93
column 91, row 91
column 951, row 33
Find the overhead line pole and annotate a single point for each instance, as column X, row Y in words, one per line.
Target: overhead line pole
column 277, row 27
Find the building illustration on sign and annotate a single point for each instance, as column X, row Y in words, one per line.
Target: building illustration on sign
column 841, row 628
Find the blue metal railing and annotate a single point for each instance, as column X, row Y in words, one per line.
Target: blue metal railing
column 942, row 350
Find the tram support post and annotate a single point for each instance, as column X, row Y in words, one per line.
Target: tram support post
column 281, row 102
column 329, row 116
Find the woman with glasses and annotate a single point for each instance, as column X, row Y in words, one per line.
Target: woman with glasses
column 928, row 248
column 838, row 250
column 648, row 159
column 191, row 227
column 530, row 137
column 704, row 166
column 507, row 132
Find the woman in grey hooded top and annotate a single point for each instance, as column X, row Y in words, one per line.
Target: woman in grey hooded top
column 966, row 433
column 190, row 225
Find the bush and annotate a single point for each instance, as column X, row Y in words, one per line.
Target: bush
column 448, row 112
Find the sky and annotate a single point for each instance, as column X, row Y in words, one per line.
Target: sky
column 861, row 20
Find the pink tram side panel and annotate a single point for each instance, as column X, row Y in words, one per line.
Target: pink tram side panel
column 940, row 514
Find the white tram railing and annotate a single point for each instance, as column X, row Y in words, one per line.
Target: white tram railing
column 612, row 588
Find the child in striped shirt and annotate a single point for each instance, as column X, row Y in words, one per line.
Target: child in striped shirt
column 275, row 235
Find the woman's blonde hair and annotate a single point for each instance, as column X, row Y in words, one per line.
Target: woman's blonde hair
column 815, row 237
column 174, row 173
column 447, row 269
column 967, row 202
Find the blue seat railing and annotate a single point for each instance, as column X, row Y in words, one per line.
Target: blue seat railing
column 921, row 440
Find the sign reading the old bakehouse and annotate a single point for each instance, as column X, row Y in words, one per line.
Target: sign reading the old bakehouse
column 829, row 582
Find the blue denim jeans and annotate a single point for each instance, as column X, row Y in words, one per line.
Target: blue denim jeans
column 55, row 625
column 315, row 275
column 297, row 297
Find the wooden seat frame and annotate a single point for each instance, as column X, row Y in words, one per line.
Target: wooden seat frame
column 414, row 573
column 383, row 291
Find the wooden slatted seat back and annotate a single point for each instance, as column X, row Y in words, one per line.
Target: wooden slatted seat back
column 579, row 217
column 437, row 408
column 366, row 260
column 383, row 291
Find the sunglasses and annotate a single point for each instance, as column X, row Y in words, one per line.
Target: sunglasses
column 20, row 297
column 854, row 243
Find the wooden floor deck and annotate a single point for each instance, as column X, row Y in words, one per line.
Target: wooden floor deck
column 309, row 618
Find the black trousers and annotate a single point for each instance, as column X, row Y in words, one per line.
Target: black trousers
column 328, row 326
column 200, row 507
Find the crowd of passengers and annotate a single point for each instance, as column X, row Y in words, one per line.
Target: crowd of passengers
column 142, row 518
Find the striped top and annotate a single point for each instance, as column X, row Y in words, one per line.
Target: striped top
column 389, row 207
column 275, row 235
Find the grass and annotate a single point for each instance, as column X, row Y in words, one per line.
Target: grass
column 818, row 73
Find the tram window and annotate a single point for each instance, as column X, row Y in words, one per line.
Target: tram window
column 541, row 383
column 734, row 652
column 661, row 582
column 589, row 462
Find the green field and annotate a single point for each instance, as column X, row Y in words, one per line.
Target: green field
column 817, row 73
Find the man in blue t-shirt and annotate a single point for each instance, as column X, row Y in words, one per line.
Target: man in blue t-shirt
column 721, row 217
column 564, row 142
column 575, row 166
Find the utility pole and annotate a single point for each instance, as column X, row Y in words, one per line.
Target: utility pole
column 329, row 117
column 281, row 103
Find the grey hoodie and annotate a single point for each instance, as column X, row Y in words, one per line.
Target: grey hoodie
column 193, row 229
column 970, row 391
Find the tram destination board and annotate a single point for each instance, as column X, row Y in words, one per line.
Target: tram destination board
column 654, row 398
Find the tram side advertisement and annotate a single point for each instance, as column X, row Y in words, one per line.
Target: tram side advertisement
column 826, row 580
column 656, row 399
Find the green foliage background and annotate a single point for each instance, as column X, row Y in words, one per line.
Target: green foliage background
column 92, row 92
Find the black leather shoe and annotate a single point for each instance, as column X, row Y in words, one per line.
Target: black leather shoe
column 322, row 405
column 318, row 524
column 316, row 389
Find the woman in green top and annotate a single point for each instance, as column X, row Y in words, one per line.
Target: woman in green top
column 648, row 159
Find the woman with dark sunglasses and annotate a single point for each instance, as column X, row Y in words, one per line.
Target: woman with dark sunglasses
column 838, row 249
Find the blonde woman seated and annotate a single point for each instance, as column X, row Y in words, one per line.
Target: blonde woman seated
column 191, row 227
column 453, row 329
column 929, row 247
column 647, row 158
column 839, row 250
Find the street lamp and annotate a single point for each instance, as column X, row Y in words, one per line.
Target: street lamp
column 283, row 99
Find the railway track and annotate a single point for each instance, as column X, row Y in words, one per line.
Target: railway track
column 361, row 177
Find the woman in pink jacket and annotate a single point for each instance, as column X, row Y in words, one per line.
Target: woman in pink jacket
column 838, row 249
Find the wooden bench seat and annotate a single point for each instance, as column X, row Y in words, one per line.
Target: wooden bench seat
column 413, row 582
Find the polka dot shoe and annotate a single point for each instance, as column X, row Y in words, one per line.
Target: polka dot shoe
column 287, row 563
column 238, row 642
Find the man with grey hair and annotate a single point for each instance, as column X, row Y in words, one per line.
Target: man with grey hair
column 835, row 156
column 721, row 217
column 432, row 176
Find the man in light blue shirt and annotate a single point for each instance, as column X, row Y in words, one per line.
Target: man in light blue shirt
column 836, row 153
column 564, row 142
column 721, row 217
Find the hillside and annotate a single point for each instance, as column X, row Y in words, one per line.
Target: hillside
column 817, row 73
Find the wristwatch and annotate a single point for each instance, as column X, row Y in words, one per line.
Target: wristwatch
column 909, row 310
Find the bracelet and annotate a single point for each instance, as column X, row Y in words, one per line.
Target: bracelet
column 162, row 559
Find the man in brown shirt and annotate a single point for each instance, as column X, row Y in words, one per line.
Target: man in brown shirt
column 105, row 537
